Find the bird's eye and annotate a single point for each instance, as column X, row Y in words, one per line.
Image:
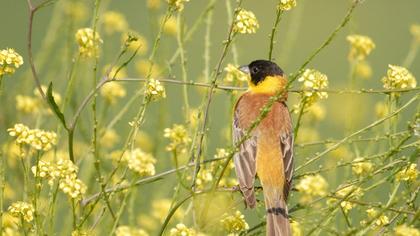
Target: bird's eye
column 255, row 70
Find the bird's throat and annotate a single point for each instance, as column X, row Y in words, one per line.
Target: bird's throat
column 270, row 85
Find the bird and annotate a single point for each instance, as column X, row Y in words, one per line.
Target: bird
column 268, row 152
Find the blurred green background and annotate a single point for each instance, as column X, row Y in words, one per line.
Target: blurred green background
column 300, row 32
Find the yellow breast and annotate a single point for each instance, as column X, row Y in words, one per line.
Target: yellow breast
column 270, row 85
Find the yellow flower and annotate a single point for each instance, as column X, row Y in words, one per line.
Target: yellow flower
column 379, row 220
column 124, row 230
column 182, row 230
column 204, row 177
column 76, row 10
column 307, row 134
column 415, row 31
column 179, row 138
column 361, row 46
column 27, row 104
column 363, row 70
column 405, row 230
column 161, row 208
column 409, row 173
column 313, row 80
column 109, row 138
column 122, row 73
column 311, row 186
column 234, row 224
column 296, row 229
column 140, row 162
column 79, row 233
column 245, row 22
column 350, row 192
column 73, row 187
column 177, row 4
column 114, row 22
column 221, row 153
column 153, row 4
column 170, row 27
column 398, row 77
column 155, row 90
column 233, row 74
column 381, row 110
column 36, row 138
column 10, row 60
column 111, row 91
column 316, row 112
column 88, row 42
column 138, row 42
column 362, row 167
column 143, row 68
column 286, row 5
column 22, row 209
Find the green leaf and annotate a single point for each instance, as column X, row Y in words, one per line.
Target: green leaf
column 54, row 106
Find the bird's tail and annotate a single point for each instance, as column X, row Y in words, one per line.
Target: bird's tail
column 277, row 217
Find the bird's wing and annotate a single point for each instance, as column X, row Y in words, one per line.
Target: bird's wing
column 286, row 143
column 245, row 162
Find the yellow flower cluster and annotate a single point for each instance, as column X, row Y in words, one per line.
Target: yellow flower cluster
column 398, row 77
column 234, row 224
column 88, row 42
column 409, row 173
column 179, row 138
column 153, row 4
column 76, row 10
column 170, row 27
column 286, row 5
column 36, row 138
column 73, row 187
column 415, row 31
column 380, row 220
column 361, row 46
column 22, row 209
column 404, row 230
column 296, row 229
column 245, row 22
column 111, row 91
column 122, row 73
column 313, row 80
column 114, row 22
column 316, row 112
column 155, row 90
column 65, row 172
column 79, row 232
column 204, row 177
column 363, row 70
column 27, row 104
column 177, row 4
column 129, row 231
column 109, row 138
column 233, row 74
column 381, row 109
column 361, row 167
column 182, row 230
column 143, row 68
column 137, row 42
column 350, row 192
column 311, row 186
column 10, row 60
column 161, row 207
column 140, row 162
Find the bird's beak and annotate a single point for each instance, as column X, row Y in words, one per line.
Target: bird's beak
column 244, row 69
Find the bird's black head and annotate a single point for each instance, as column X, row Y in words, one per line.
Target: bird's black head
column 260, row 69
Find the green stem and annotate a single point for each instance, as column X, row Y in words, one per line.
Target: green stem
column 273, row 33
